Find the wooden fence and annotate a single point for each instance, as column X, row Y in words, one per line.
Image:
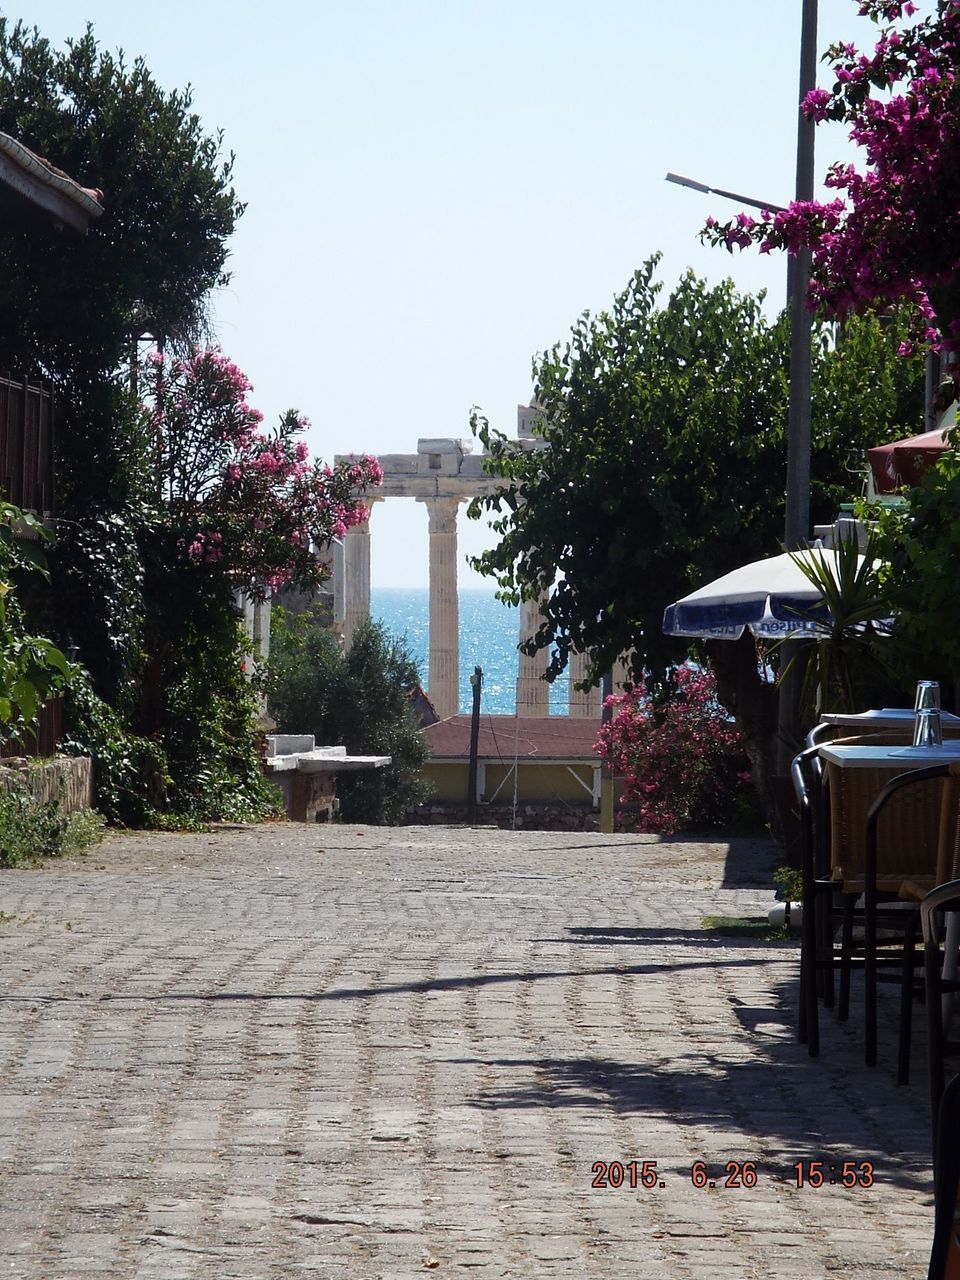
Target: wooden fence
column 26, row 445
column 43, row 739
column 26, row 480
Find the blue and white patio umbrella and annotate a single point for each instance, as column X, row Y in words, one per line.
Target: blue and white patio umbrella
column 773, row 598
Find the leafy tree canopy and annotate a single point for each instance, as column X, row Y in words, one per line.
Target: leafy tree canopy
column 30, row 666
column 69, row 307
column 662, row 458
column 240, row 498
column 919, row 546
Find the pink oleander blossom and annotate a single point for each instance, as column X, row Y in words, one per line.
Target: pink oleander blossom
column 267, row 461
column 245, row 502
column 679, row 754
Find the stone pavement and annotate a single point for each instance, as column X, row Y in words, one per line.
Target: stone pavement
column 352, row 1052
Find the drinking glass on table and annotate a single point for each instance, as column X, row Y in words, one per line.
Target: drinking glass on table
column 928, row 696
column 927, row 731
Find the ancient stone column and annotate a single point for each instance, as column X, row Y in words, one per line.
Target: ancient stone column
column 444, row 675
column 356, row 576
column 336, row 584
column 533, row 692
column 584, row 706
column 621, row 672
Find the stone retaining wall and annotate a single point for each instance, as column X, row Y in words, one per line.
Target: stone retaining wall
column 65, row 779
column 530, row 817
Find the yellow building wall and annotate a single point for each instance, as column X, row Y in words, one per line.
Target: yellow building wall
column 448, row 780
column 537, row 782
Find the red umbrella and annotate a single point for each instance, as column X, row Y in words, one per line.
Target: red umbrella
column 903, row 462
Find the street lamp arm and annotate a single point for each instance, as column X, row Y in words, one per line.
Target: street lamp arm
column 727, row 195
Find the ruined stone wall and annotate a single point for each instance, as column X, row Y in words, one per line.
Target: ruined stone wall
column 530, row 817
column 66, row 779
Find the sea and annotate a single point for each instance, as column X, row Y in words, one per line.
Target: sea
column 489, row 631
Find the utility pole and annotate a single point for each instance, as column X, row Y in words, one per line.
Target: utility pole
column 476, row 681
column 606, row 770
column 797, row 527
column 797, row 522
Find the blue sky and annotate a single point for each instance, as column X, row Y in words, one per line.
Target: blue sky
column 437, row 190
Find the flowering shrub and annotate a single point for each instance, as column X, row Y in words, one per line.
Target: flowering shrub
column 679, row 754
column 894, row 233
column 243, row 498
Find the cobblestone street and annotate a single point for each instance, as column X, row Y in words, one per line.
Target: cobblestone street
column 355, row 1052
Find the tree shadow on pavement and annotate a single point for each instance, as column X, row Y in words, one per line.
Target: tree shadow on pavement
column 422, row 986
column 701, row 936
column 784, row 1107
column 748, row 861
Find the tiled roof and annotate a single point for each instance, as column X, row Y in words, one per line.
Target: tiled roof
column 503, row 737
column 29, row 177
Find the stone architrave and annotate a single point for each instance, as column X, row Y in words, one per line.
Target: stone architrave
column 444, row 674
column 441, row 474
column 582, row 706
column 533, row 692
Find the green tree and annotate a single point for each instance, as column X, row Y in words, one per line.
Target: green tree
column 176, row 734
column 72, row 308
column 920, row 546
column 662, row 466
column 359, row 698
column 663, row 463
column 159, row 249
column 841, row 667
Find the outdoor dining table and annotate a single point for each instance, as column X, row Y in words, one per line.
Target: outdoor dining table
column 910, row 855
column 882, row 718
column 896, row 759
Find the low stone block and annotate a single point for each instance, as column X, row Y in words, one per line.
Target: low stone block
column 65, row 779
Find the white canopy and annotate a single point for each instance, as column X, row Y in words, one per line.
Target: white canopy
column 773, row 597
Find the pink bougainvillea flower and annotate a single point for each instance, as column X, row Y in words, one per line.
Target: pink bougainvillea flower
column 894, row 239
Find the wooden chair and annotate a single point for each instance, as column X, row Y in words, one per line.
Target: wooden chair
column 833, row 811
column 912, row 840
column 945, row 1253
column 940, row 917
column 816, row 959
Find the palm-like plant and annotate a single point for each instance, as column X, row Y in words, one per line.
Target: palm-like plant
column 849, row 618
